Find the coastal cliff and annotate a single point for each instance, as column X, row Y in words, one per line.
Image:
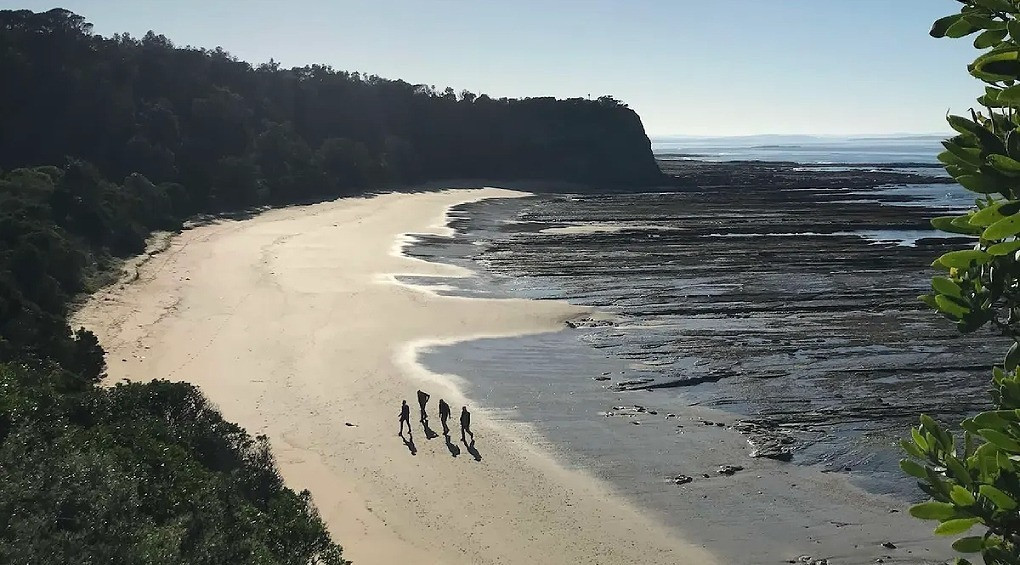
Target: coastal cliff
column 236, row 134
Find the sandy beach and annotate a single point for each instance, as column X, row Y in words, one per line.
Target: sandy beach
column 293, row 324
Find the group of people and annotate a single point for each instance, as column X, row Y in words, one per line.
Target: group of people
column 444, row 415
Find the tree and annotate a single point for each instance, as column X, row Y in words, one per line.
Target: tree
column 976, row 482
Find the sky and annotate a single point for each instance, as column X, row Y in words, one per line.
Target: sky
column 688, row 67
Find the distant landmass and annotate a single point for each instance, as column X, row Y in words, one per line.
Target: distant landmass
column 805, row 149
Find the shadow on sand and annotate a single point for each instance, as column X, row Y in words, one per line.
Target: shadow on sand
column 409, row 442
column 429, row 433
column 454, row 450
column 471, row 449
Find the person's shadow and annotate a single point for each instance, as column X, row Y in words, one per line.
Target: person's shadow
column 454, row 450
column 409, row 442
column 429, row 433
column 471, row 449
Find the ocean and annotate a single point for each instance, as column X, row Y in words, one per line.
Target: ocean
column 803, row 149
column 790, row 312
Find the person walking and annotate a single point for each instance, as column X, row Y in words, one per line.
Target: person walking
column 465, row 425
column 444, row 415
column 405, row 417
column 423, row 398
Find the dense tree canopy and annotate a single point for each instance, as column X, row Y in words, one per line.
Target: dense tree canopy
column 234, row 134
column 104, row 140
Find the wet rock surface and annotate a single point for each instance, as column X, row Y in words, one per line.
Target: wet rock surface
column 753, row 325
column 780, row 292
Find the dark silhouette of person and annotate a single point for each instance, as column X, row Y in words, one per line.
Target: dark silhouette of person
column 423, row 398
column 405, row 416
column 465, row 425
column 444, row 415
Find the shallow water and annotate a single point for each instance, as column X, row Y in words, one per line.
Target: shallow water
column 807, row 322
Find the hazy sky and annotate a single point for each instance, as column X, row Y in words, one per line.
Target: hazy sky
column 699, row 67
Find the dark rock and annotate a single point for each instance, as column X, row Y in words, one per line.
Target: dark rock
column 729, row 469
column 633, row 384
column 682, row 479
column 888, row 545
column 767, row 440
column 589, row 323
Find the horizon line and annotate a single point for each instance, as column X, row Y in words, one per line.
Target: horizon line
column 843, row 135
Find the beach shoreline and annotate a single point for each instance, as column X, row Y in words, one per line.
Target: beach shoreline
column 291, row 323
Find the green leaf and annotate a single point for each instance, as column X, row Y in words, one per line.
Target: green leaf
column 981, row 184
column 954, row 527
column 1001, row 440
column 972, row 544
column 1012, row 358
column 949, row 306
column 1006, row 227
column 963, row 125
column 987, row 215
column 962, row 496
column 911, row 448
column 956, row 224
column 1002, row 500
column 1001, row 162
column 1004, row 462
column 933, row 511
column 929, row 300
column 964, row 259
column 1014, row 29
column 942, row 25
column 996, row 5
column 989, row 420
column 958, row 471
column 945, row 285
column 1010, row 95
column 989, row 38
column 1004, row 248
column 968, row 155
column 999, row 64
column 936, row 431
column 1013, row 144
column 962, row 28
column 922, row 443
column 912, row 468
column 951, row 159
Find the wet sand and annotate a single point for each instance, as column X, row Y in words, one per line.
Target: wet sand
column 294, row 324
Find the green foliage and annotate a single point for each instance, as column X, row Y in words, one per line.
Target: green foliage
column 139, row 135
column 202, row 119
column 142, row 474
column 974, row 484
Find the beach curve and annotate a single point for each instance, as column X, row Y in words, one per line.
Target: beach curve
column 291, row 323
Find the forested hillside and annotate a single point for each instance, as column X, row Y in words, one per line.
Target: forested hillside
column 233, row 134
column 102, row 141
